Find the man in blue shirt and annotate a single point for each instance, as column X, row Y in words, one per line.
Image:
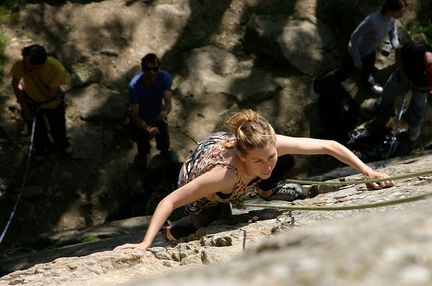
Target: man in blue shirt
column 150, row 103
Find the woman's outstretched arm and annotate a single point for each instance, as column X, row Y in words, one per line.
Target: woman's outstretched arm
column 310, row 146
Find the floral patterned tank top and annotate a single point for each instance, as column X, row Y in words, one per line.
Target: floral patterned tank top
column 208, row 154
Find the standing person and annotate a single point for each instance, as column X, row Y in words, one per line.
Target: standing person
column 150, row 103
column 36, row 82
column 415, row 75
column 361, row 49
column 222, row 168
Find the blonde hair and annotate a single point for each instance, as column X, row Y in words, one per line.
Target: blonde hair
column 250, row 131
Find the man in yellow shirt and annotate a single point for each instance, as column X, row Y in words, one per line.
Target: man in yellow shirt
column 36, row 81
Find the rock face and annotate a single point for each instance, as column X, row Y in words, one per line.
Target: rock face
column 216, row 71
column 387, row 245
column 302, row 42
column 354, row 251
column 224, row 56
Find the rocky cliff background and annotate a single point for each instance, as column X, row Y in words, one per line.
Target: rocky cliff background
column 224, row 55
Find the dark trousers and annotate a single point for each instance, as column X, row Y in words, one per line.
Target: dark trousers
column 195, row 220
column 55, row 120
column 346, row 70
column 393, row 88
column 142, row 139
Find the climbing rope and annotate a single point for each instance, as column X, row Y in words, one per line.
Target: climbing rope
column 343, row 208
column 357, row 182
column 26, row 173
column 399, row 117
column 351, row 207
column 187, row 135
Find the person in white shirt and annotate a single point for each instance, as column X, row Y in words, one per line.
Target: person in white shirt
column 361, row 49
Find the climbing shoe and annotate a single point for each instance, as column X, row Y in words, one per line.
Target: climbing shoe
column 287, row 192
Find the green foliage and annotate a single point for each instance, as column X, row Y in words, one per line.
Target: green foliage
column 417, row 28
column 8, row 12
column 2, row 58
column 5, row 16
column 2, row 42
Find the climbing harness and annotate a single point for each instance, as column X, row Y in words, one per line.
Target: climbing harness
column 26, row 173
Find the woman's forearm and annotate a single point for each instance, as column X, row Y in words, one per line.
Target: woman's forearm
column 346, row 156
column 161, row 214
